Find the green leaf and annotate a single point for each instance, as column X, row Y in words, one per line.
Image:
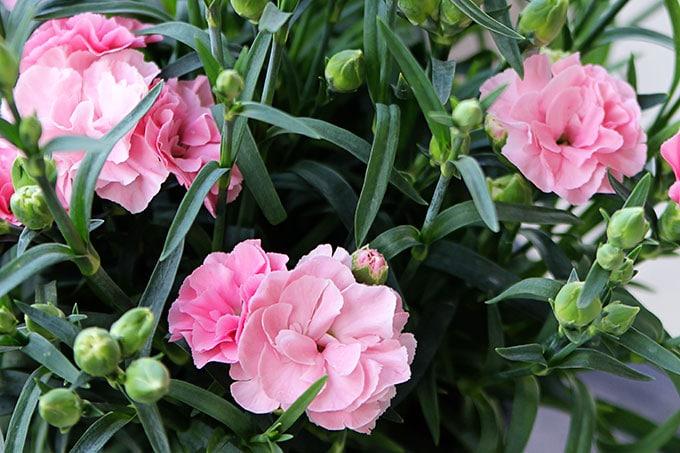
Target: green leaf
column 290, row 415
column 524, row 410
column 275, row 117
column 73, row 143
column 551, row 254
column 158, row 289
column 470, row 9
column 59, row 327
column 153, row 426
column 211, row 66
column 592, row 359
column 190, row 205
column 596, row 282
column 273, row 19
column 24, row 408
column 443, row 73
column 111, row 8
column 100, row 432
column 182, row 32
column 332, row 186
column 395, row 240
column 182, row 66
column 257, row 177
column 371, row 48
column 9, row 132
column 34, row 260
column 383, row 153
column 534, row 288
column 212, row 405
column 638, row 196
column 429, row 403
column 46, row 354
column 582, row 424
column 508, row 47
column 639, row 343
column 491, row 424
column 641, row 34
column 476, row 183
column 532, row 353
column 647, row 101
column 88, row 172
column 254, row 63
column 422, row 89
column 20, row 24
column 653, row 441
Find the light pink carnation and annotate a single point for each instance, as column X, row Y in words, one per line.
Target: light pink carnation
column 7, row 156
column 316, row 320
column 670, row 150
column 209, row 312
column 567, row 123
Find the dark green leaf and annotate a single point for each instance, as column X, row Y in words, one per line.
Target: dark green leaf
column 371, row 50
column 25, row 239
column 638, row 196
column 112, row 8
column 470, row 9
column 508, row 47
column 275, row 117
column 99, row 432
column 152, row 423
column 613, row 34
column 254, row 63
column 395, row 240
column 273, row 19
column 491, row 424
column 476, row 183
column 524, row 410
column 34, row 260
column 290, row 415
column 182, row 66
column 639, row 343
column 429, row 403
column 59, row 327
column 653, row 441
column 551, row 254
column 535, row 288
column 582, row 424
column 190, row 205
column 591, row 359
column 9, row 132
column 23, row 411
column 211, row 66
column 383, row 153
column 647, row 101
column 212, row 405
column 46, row 354
column 183, row 32
column 443, row 73
column 596, row 282
column 73, row 143
column 20, row 24
column 532, row 353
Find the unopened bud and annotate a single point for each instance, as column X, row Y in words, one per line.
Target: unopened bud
column 345, row 71
column 96, row 352
column 419, row 12
column 147, row 380
column 369, row 266
column 511, row 188
column 669, row 223
column 624, row 273
column 32, row 326
column 132, row 329
column 229, row 84
column 8, row 322
column 542, row 20
column 30, row 131
column 452, row 20
column 627, row 227
column 60, row 407
column 497, row 134
column 30, row 208
column 9, row 68
column 468, row 114
column 609, row 257
column 437, row 153
column 617, row 318
column 567, row 311
column 249, row 9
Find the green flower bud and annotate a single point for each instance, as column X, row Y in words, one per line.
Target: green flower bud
column 229, row 84
column 542, row 20
column 609, row 257
column 369, row 266
column 345, row 71
column 567, row 312
column 96, row 352
column 624, row 273
column 497, row 134
column 419, row 12
column 30, row 208
column 8, row 322
column 452, row 20
column 617, row 318
column 60, row 407
column 133, row 329
column 468, row 114
column 437, row 154
column 32, row 326
column 147, row 380
column 669, row 223
column 510, row 189
column 30, row 131
column 9, row 68
column 627, row 227
column 249, row 9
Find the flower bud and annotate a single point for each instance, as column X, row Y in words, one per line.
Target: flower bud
column 9, row 68
column 8, row 322
column 627, row 227
column 229, row 84
column 30, row 131
column 147, row 380
column 345, row 71
column 419, row 12
column 542, row 20
column 96, row 352
column 497, row 134
column 624, row 273
column 617, row 318
column 437, row 154
column 510, row 189
column 566, row 310
column 609, row 257
column 32, row 326
column 30, row 208
column 468, row 114
column 669, row 223
column 369, row 266
column 60, row 407
column 132, row 329
column 249, row 9
column 452, row 20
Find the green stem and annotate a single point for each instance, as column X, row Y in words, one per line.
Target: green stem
column 226, row 161
column 275, row 55
column 436, row 203
column 215, row 32
column 584, row 46
column 108, row 291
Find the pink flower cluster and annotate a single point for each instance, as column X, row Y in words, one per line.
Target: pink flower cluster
column 282, row 330
column 83, row 74
column 566, row 124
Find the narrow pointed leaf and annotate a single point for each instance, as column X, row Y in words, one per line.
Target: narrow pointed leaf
column 596, row 282
column 9, row 132
column 592, row 359
column 17, row 430
column 582, row 426
column 34, row 260
column 182, row 32
column 476, row 183
column 290, row 415
column 470, row 9
column 46, row 354
column 211, row 66
column 552, row 255
column 371, row 51
column 535, row 288
column 273, row 19
column 153, row 426
column 638, row 196
column 508, row 47
column 524, row 411
column 653, row 441
column 639, row 343
column 395, row 240
column 275, row 117
column 59, row 327
column 100, row 432
column 532, row 353
column 443, row 73
column 112, row 8
column 429, row 404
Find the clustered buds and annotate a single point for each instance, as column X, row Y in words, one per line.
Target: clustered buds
column 441, row 18
column 542, row 20
column 60, row 407
column 249, row 9
column 369, row 266
column 345, row 71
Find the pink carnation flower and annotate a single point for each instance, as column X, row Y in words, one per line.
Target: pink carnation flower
column 670, row 150
column 7, row 156
column 316, row 320
column 209, row 312
column 566, row 124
